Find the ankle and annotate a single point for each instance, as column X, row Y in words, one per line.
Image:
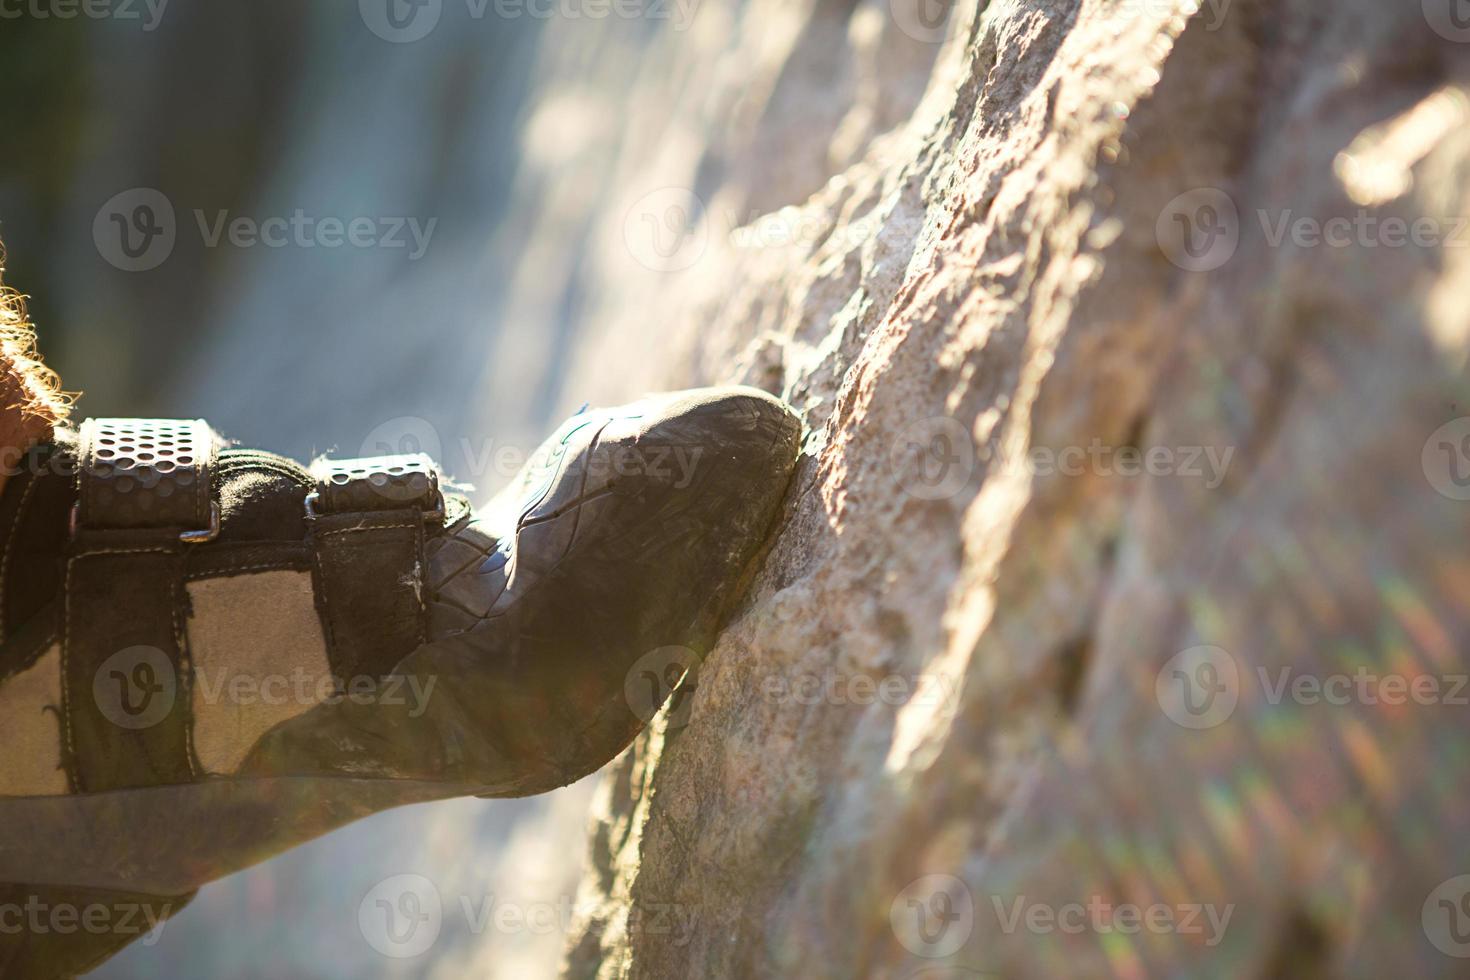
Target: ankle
column 31, row 401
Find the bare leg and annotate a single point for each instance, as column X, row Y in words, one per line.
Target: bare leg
column 30, row 398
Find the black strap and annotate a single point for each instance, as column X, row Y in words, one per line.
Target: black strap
column 367, row 521
column 144, row 495
column 34, row 508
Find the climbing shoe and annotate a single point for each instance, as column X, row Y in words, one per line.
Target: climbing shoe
column 210, row 654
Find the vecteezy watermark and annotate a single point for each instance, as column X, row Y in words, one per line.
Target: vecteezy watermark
column 137, row 687
column 935, row 457
column 302, row 230
column 406, row 21
column 932, row 458
column 1199, row 687
column 401, row 21
column 148, row 13
column 1200, row 230
column 1101, row 917
column 299, row 686
column 933, row 916
column 669, row 229
column 403, row 916
column 923, row 20
column 1209, row 464
column 1450, row 19
column 1215, row 10
column 1445, row 916
column 665, row 230
column 794, row 227
column 1363, row 687
column 36, row 916
column 1446, row 459
column 478, row 461
column 402, row 436
column 138, row 229
column 656, row 678
column 1362, row 229
column 839, row 689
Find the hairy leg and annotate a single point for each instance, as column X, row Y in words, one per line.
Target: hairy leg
column 31, row 401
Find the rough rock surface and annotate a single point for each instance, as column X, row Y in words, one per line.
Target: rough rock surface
column 959, row 252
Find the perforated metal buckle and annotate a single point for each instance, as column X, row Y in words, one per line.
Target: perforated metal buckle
column 147, row 474
column 376, row 485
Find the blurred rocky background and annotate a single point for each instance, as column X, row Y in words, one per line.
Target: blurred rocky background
column 1131, row 337
column 284, row 336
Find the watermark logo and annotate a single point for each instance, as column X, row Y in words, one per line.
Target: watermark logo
column 135, row 688
column 401, row 916
column 401, row 21
column 1198, row 688
column 1363, row 687
column 37, row 917
column 932, row 458
column 396, row 450
column 406, row 21
column 655, row 678
column 1450, row 19
column 306, row 688
column 934, row 916
column 1214, row 11
column 794, row 227
column 1199, row 230
column 1208, row 464
column 1101, row 917
column 1446, row 459
column 935, row 457
column 665, row 230
column 403, row 436
column 147, row 12
column 1446, row 917
column 842, row 689
column 302, row 230
column 473, row 460
column 136, row 230
column 1361, row 229
column 926, row 21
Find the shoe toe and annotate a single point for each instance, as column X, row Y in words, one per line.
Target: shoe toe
column 720, row 441
column 635, row 542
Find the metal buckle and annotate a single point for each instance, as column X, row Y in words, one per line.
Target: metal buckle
column 202, row 536
column 207, row 534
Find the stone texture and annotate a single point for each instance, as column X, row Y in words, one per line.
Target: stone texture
column 957, row 253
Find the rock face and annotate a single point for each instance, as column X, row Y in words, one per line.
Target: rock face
column 1118, row 623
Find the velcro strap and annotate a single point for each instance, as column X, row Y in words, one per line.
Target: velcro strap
column 144, row 494
column 367, row 524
